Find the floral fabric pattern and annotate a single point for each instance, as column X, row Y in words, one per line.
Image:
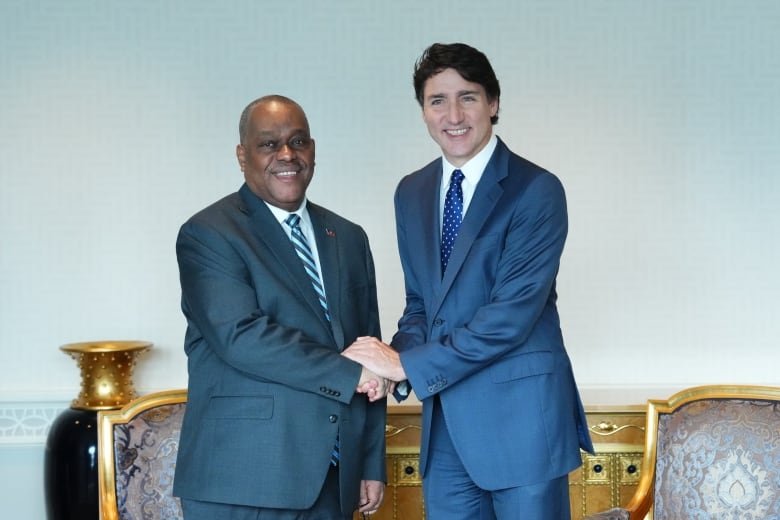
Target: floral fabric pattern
column 719, row 459
column 617, row 513
column 145, row 456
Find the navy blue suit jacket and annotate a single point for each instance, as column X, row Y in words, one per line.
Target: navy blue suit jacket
column 486, row 337
column 268, row 389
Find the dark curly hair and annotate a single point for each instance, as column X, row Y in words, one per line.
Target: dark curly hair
column 471, row 64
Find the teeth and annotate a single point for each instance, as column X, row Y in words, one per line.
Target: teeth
column 285, row 174
column 460, row 131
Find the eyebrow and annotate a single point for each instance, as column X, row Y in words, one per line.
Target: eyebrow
column 458, row 94
column 272, row 133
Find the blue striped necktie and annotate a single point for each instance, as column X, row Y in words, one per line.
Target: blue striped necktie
column 304, row 253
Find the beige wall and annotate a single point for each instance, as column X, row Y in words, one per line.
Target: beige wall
column 118, row 121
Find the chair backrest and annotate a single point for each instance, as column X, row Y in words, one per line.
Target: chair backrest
column 137, row 447
column 714, row 452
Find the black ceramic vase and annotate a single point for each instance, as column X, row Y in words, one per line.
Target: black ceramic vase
column 71, row 456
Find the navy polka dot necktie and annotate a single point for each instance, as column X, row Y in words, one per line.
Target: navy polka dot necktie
column 453, row 216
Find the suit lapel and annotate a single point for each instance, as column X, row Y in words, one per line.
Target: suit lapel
column 485, row 197
column 328, row 250
column 267, row 229
column 428, row 210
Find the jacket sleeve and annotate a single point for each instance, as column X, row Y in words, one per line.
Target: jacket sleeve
column 481, row 329
column 376, row 414
column 220, row 302
column 412, row 326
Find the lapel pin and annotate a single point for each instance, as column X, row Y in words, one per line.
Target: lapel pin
column 330, row 232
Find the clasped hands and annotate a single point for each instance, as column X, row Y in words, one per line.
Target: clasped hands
column 382, row 368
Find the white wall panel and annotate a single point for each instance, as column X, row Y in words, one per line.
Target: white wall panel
column 118, row 121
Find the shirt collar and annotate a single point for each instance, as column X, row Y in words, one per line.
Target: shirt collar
column 281, row 214
column 473, row 169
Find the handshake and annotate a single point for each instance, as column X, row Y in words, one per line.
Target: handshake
column 382, row 368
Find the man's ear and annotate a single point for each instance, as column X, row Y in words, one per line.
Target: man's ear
column 241, row 156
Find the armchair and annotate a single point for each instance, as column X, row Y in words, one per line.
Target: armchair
column 710, row 452
column 137, row 447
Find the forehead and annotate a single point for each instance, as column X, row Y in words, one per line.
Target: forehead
column 449, row 81
column 277, row 117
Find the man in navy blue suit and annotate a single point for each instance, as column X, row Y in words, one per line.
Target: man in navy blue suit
column 480, row 235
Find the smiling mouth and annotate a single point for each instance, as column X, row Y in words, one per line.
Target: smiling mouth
column 456, row 132
column 285, row 174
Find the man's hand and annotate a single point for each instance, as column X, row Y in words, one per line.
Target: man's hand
column 376, row 356
column 373, row 386
column 371, row 494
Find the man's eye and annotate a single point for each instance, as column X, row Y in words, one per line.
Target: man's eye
column 300, row 142
column 435, row 102
column 268, row 145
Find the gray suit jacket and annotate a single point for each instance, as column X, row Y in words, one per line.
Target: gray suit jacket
column 268, row 390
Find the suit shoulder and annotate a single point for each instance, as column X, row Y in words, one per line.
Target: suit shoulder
column 527, row 172
column 423, row 176
column 519, row 164
column 226, row 204
column 430, row 169
column 218, row 214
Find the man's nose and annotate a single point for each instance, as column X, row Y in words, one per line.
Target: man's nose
column 285, row 152
column 455, row 114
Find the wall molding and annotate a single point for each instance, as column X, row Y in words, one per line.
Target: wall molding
column 621, row 395
column 27, row 423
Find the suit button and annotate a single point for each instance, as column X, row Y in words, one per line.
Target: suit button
column 437, row 322
column 323, row 389
column 333, row 418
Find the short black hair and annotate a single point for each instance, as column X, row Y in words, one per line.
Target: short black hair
column 243, row 122
column 467, row 61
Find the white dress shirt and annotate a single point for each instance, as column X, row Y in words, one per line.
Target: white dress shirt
column 472, row 173
column 306, row 228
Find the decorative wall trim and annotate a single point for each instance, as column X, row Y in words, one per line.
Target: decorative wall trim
column 27, row 423
column 622, row 395
column 25, row 419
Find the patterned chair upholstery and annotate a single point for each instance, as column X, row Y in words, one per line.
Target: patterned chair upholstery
column 137, row 447
column 711, row 453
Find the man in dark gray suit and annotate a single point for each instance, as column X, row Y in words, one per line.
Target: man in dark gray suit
column 273, row 287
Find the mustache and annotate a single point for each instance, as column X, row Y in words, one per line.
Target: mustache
column 295, row 164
